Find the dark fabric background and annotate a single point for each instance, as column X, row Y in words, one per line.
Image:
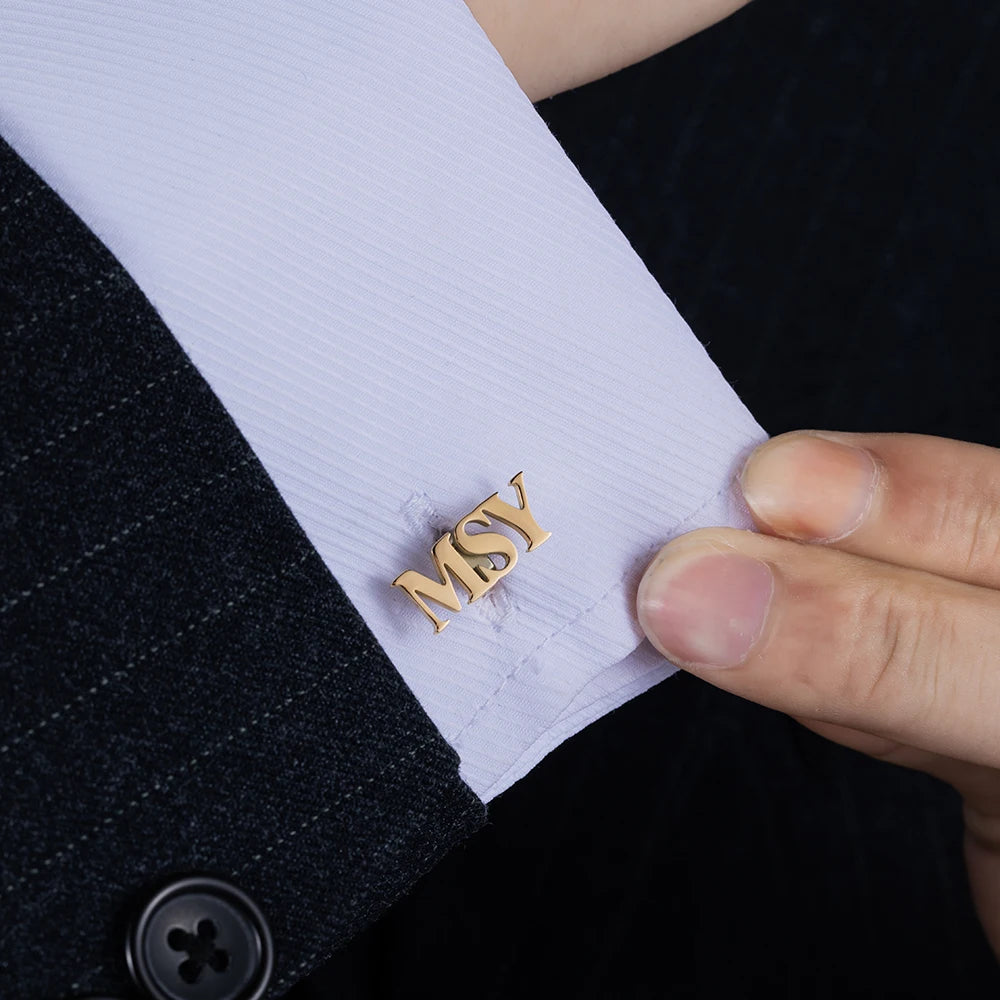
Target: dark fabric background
column 184, row 687
column 815, row 185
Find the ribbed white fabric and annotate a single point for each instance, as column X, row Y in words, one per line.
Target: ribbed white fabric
column 387, row 269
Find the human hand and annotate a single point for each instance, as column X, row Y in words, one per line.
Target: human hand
column 869, row 609
column 553, row 45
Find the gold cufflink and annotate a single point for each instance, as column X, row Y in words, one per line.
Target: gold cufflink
column 468, row 557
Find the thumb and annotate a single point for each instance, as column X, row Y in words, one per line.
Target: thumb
column 831, row 636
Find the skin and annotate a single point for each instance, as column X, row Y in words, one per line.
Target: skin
column 554, row 45
column 884, row 638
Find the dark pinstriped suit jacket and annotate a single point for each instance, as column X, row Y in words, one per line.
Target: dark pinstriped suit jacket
column 183, row 685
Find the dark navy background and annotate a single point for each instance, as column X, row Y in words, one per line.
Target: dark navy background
column 815, row 185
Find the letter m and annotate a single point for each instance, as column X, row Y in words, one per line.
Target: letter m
column 447, row 560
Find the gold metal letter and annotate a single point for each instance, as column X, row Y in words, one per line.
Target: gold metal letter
column 462, row 554
column 485, row 543
column 518, row 518
column 446, row 560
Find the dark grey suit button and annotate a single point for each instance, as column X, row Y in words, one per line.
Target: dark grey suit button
column 200, row 938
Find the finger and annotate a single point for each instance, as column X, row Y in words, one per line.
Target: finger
column 554, row 45
column 982, row 858
column 831, row 636
column 929, row 503
column 978, row 784
column 891, row 751
column 980, row 789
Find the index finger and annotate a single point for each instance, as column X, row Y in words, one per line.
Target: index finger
column 935, row 503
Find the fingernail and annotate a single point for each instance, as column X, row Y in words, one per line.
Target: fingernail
column 809, row 488
column 702, row 606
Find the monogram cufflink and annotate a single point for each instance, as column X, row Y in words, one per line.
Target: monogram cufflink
column 468, row 557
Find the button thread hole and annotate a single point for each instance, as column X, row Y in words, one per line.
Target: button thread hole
column 200, row 948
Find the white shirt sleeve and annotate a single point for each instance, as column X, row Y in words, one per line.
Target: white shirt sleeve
column 385, row 266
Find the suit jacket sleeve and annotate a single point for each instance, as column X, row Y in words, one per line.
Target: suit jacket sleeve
column 184, row 687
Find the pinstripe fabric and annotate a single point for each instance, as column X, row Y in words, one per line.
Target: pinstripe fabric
column 183, row 685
